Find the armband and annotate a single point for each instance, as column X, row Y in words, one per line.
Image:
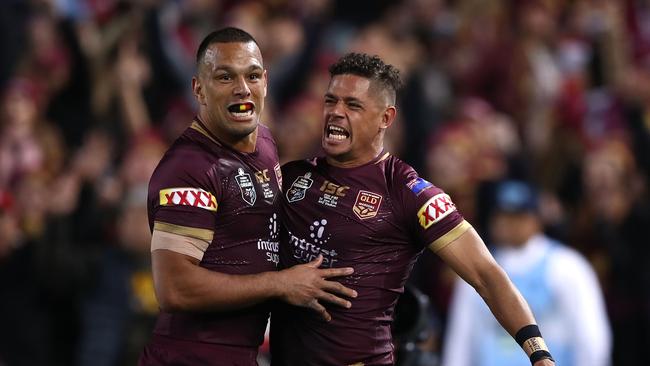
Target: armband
column 530, row 339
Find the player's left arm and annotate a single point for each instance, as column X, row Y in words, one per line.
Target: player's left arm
column 468, row 256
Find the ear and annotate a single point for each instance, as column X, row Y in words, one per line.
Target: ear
column 197, row 89
column 388, row 117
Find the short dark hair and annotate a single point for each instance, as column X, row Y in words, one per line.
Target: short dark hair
column 370, row 67
column 224, row 35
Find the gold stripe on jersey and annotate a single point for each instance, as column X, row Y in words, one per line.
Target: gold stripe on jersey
column 451, row 235
column 192, row 232
column 195, row 125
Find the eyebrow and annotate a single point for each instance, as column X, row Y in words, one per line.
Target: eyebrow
column 345, row 99
column 232, row 69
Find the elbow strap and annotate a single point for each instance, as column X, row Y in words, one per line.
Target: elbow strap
column 530, row 339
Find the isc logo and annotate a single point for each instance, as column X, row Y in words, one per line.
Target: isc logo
column 333, row 188
column 436, row 208
column 262, row 176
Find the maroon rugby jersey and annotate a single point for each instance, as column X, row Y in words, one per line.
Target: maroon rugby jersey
column 207, row 190
column 376, row 218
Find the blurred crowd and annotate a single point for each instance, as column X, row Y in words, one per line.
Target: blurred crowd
column 553, row 92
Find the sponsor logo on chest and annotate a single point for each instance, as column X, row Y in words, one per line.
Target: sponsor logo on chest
column 262, row 177
column 366, row 205
column 435, row 209
column 184, row 196
column 306, row 250
column 271, row 246
column 331, row 193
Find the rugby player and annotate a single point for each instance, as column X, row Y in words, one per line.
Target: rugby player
column 213, row 208
column 361, row 207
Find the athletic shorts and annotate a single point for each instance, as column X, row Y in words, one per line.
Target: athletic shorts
column 165, row 351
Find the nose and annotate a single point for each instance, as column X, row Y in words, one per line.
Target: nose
column 336, row 109
column 241, row 88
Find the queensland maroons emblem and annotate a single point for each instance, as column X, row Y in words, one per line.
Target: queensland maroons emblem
column 366, row 205
column 298, row 188
column 246, row 186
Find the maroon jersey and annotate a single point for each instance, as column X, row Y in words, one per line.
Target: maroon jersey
column 376, row 218
column 207, row 190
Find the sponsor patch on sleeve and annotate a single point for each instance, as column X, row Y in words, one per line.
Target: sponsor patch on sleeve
column 435, row 209
column 194, row 197
column 418, row 185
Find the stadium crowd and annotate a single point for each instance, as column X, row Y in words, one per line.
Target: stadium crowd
column 553, row 92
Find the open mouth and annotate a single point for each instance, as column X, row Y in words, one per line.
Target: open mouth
column 241, row 110
column 336, row 132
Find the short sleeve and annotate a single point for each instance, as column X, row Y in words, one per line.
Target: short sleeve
column 429, row 212
column 183, row 198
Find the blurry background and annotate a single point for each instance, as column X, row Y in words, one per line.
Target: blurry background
column 554, row 92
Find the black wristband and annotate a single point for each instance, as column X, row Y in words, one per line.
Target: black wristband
column 526, row 332
column 540, row 355
column 530, row 339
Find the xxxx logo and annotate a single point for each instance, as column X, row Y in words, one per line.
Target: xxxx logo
column 436, row 208
column 195, row 197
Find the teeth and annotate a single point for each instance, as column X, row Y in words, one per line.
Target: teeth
column 242, row 114
column 336, row 129
column 336, row 133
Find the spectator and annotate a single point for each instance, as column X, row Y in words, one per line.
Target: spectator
column 558, row 283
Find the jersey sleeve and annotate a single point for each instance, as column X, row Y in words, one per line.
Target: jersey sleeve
column 430, row 213
column 182, row 198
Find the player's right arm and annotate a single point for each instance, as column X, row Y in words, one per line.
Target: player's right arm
column 182, row 285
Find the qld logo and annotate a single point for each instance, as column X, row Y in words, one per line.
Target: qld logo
column 366, row 205
column 246, row 186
